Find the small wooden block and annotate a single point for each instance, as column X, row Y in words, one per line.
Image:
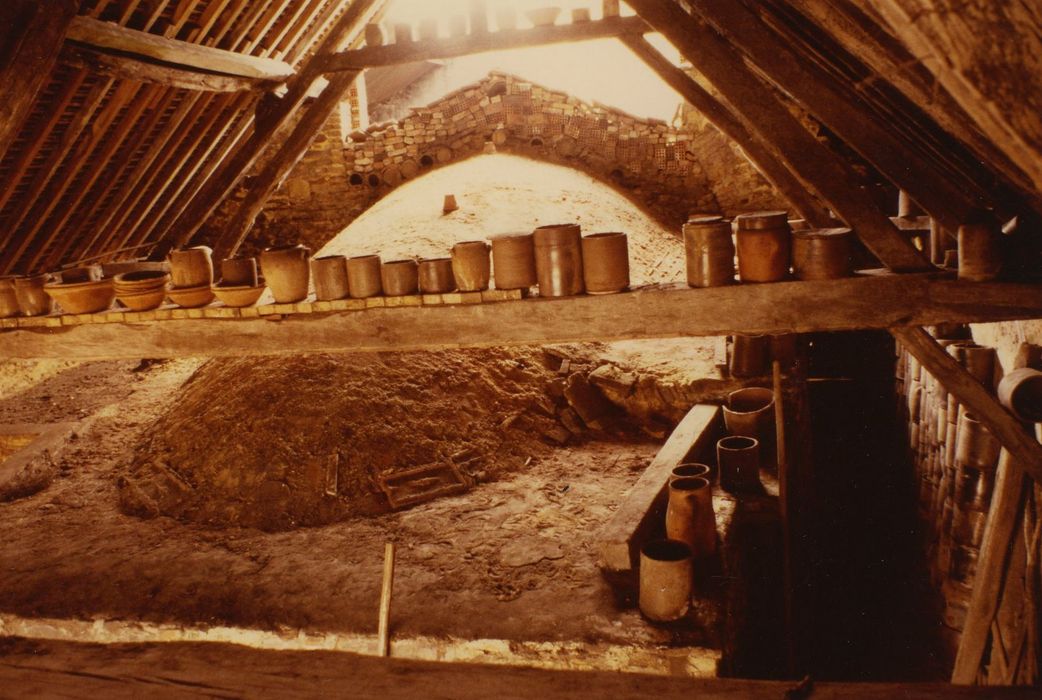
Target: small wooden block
column 303, row 307
column 131, row 316
column 348, row 304
column 266, row 310
column 212, row 312
column 115, row 317
column 196, row 313
column 68, row 320
column 375, row 302
column 8, row 323
column 501, row 295
column 164, row 314
column 147, row 316
column 432, row 300
column 321, row 307
column 54, row 321
column 284, row 308
column 179, row 313
column 32, row 322
column 391, row 302
column 248, row 312
column 412, row 300
column 452, row 298
column 470, row 297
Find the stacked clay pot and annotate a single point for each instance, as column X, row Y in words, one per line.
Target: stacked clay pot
column 191, row 277
column 141, row 291
column 240, row 284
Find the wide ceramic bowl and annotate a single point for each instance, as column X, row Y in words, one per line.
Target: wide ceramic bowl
column 142, row 301
column 239, row 296
column 82, row 297
column 140, row 281
column 190, row 297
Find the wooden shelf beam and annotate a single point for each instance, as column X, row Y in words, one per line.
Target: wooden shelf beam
column 129, row 68
column 413, row 323
column 144, row 46
column 482, row 42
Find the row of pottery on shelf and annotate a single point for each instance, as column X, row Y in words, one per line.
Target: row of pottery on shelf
column 25, row 295
column 667, row 566
column 766, row 248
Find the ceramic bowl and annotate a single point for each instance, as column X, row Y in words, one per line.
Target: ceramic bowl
column 82, row 297
column 190, row 297
column 142, row 301
column 239, row 296
column 140, row 281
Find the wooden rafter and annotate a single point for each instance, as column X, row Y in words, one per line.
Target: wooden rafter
column 481, row 42
column 752, row 99
column 759, row 152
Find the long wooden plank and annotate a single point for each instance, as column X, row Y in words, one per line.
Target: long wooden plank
column 773, row 168
column 129, row 68
column 111, row 37
column 657, row 312
column 42, row 668
column 754, row 101
column 1024, row 449
column 620, row 539
column 482, row 42
column 31, row 36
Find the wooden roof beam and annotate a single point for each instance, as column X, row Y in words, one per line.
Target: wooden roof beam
column 483, row 42
column 30, row 42
column 764, row 114
column 143, row 46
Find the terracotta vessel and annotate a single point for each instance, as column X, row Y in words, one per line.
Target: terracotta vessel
column 580, row 14
column 709, row 251
column 84, row 273
column 750, row 412
column 606, row 262
column 513, row 261
column 363, row 276
column 191, row 297
column 449, row 204
column 764, row 243
column 8, row 298
column 980, row 252
column 906, row 206
column 435, row 276
column 665, row 580
column 400, row 277
column 738, row 459
column 559, row 260
column 238, row 296
column 330, row 275
column 690, row 469
column 823, row 254
column 978, row 360
column 690, row 517
column 1021, row 392
column 976, row 447
column 402, row 33
column 543, row 16
column 191, row 267
column 239, row 272
column 286, row 271
column 374, row 34
column 750, row 356
column 82, row 297
column 143, row 290
column 32, row 299
column 471, row 266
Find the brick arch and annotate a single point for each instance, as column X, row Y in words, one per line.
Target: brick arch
column 665, row 171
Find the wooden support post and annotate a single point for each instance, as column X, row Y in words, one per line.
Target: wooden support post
column 221, row 184
column 759, row 153
column 384, row 627
column 32, row 37
column 765, row 114
column 783, row 507
column 1023, row 448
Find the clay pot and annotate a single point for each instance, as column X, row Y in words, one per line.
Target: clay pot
column 402, row 33
column 449, row 204
column 435, row 276
column 400, row 277
column 689, row 515
column 428, row 29
column 82, row 297
column 559, row 260
column 750, row 412
column 330, row 275
column 363, row 276
column 1021, row 392
column 142, row 301
column 191, row 267
column 374, row 35
column 606, row 262
column 750, row 356
column 976, row 447
column 471, row 266
column 980, row 252
column 513, row 261
column 457, row 25
column 738, row 459
column 238, row 296
column 8, row 298
column 141, row 291
column 506, row 17
column 691, row 469
column 191, row 297
column 709, row 251
column 239, row 272
column 823, row 254
column 665, row 580
column 32, row 299
column 979, row 361
column 764, row 243
column 286, row 272
column 906, row 206
column 84, row 273
column 543, row 16
column 580, row 14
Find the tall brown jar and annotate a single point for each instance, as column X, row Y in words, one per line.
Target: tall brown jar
column 980, row 254
column 330, row 275
column 689, row 515
column 559, row 260
column 513, row 261
column 764, row 242
column 709, row 251
column 363, row 276
column 471, row 265
column 400, row 277
column 823, row 253
column 190, row 267
column 606, row 262
column 435, row 276
column 287, row 272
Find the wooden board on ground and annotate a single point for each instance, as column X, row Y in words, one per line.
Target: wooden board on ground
column 620, row 540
